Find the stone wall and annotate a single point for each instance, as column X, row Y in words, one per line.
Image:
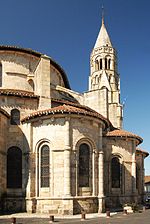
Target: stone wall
column 125, row 150
column 17, row 68
column 3, row 153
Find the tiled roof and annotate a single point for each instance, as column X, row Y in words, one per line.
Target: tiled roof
column 142, row 151
column 20, row 49
column 147, row 179
column 16, row 92
column 62, row 102
column 123, row 133
column 65, row 101
column 67, row 109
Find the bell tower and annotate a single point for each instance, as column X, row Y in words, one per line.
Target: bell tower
column 103, row 63
column 104, row 80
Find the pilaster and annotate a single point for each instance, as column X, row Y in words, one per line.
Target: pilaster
column 101, row 196
column 67, row 169
column 133, row 168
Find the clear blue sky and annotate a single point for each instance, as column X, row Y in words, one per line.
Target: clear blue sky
column 66, row 30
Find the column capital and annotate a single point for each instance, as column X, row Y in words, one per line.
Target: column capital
column 100, row 152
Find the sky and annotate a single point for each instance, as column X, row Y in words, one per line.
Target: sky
column 66, row 30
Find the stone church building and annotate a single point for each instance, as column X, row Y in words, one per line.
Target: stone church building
column 62, row 151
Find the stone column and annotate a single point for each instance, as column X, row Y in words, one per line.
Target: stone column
column 133, row 168
column 93, row 173
column 103, row 63
column 67, row 171
column 101, row 174
column 143, row 175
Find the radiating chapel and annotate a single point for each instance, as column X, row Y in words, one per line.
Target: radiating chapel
column 61, row 151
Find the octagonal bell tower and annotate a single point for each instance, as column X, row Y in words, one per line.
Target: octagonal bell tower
column 104, row 81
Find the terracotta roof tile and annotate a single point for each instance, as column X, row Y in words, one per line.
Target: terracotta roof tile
column 68, row 109
column 123, row 133
column 62, row 102
column 142, row 151
column 17, row 92
column 147, row 179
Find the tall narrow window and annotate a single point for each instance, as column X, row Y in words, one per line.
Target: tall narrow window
column 115, row 172
column 31, row 83
column 15, row 117
column 45, row 166
column 84, row 165
column 109, row 61
column 14, row 168
column 96, row 65
column 0, row 74
column 101, row 66
column 105, row 63
column 137, row 176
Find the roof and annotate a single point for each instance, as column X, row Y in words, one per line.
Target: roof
column 17, row 92
column 147, row 179
column 67, row 109
column 142, row 151
column 103, row 37
column 60, row 69
column 4, row 112
column 19, row 49
column 123, row 133
column 37, row 54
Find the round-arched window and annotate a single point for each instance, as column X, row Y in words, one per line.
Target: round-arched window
column 84, row 165
column 14, row 167
column 115, row 172
column 45, row 166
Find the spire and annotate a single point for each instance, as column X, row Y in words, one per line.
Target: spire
column 103, row 37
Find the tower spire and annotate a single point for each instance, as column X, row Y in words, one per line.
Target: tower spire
column 102, row 14
column 103, row 37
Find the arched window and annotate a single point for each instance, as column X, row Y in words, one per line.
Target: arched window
column 84, row 165
column 101, row 65
column 0, row 74
column 15, row 117
column 137, row 177
column 14, row 168
column 115, row 172
column 109, row 61
column 105, row 63
column 31, row 83
column 96, row 65
column 45, row 166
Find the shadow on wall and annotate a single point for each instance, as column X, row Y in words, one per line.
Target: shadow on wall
column 16, row 166
column 120, row 186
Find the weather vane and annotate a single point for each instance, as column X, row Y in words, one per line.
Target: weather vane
column 102, row 14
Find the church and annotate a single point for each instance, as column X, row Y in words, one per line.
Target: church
column 64, row 152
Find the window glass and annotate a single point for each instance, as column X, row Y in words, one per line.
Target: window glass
column 15, row 117
column 84, row 165
column 45, row 166
column 14, row 168
column 115, row 172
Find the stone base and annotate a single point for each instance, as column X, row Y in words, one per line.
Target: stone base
column 87, row 204
column 63, row 206
column 116, row 202
column 50, row 206
column 14, row 204
column 101, row 205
